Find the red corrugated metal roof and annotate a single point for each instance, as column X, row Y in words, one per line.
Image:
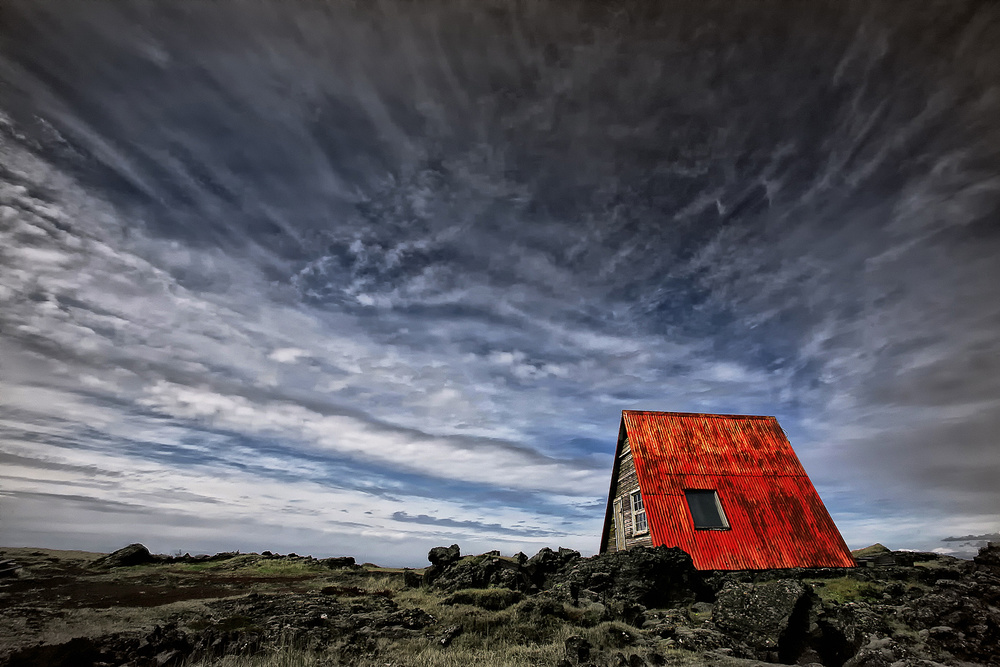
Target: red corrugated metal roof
column 776, row 518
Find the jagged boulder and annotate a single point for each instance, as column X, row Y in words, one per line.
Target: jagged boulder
column 133, row 554
column 443, row 556
column 879, row 652
column 647, row 576
column 772, row 618
column 546, row 563
column 338, row 562
column 478, row 572
column 989, row 555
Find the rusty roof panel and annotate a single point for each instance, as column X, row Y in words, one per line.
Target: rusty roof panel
column 680, row 443
column 776, row 518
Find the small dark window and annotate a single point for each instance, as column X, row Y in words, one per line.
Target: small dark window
column 706, row 510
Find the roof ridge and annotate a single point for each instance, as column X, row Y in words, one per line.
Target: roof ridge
column 697, row 414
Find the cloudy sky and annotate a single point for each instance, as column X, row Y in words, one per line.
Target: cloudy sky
column 365, row 278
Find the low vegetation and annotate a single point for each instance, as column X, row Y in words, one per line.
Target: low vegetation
column 75, row 609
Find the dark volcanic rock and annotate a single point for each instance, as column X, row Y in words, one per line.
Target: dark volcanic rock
column 910, row 610
column 133, row 554
column 478, row 572
column 442, row 556
column 970, row 610
column 577, row 649
column 412, row 579
column 547, row 562
column 989, row 555
column 639, row 577
column 770, row 617
column 651, row 577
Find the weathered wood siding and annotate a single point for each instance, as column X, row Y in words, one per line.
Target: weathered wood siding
column 625, row 485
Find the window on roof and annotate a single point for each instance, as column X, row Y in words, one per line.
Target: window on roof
column 639, row 524
column 706, row 510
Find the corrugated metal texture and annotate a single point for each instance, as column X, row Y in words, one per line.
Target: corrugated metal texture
column 776, row 518
column 673, row 443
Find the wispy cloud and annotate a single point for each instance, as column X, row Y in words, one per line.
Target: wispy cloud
column 386, row 276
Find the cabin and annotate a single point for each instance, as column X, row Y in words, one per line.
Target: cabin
column 727, row 489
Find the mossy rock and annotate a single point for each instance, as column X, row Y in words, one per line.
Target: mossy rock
column 873, row 550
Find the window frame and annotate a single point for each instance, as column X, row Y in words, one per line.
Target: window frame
column 718, row 506
column 636, row 513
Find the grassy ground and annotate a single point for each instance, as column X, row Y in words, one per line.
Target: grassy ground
column 846, row 589
column 58, row 597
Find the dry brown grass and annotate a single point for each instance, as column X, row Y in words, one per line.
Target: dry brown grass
column 499, row 627
column 413, row 654
column 69, row 624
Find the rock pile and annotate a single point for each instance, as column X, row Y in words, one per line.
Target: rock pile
column 450, row 572
column 133, row 554
column 899, row 608
column 650, row 577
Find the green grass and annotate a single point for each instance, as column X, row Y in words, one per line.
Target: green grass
column 932, row 564
column 499, row 627
column 846, row 589
column 872, row 550
column 485, row 644
column 248, row 565
column 413, row 655
column 393, row 570
column 493, row 599
column 278, row 567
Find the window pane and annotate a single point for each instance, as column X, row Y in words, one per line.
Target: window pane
column 705, row 509
column 640, row 523
column 637, row 502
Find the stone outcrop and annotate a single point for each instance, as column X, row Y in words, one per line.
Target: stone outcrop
column 647, row 576
column 770, row 618
column 641, row 576
column 338, row 562
column 989, row 555
column 478, row 572
column 444, row 556
column 133, row 554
